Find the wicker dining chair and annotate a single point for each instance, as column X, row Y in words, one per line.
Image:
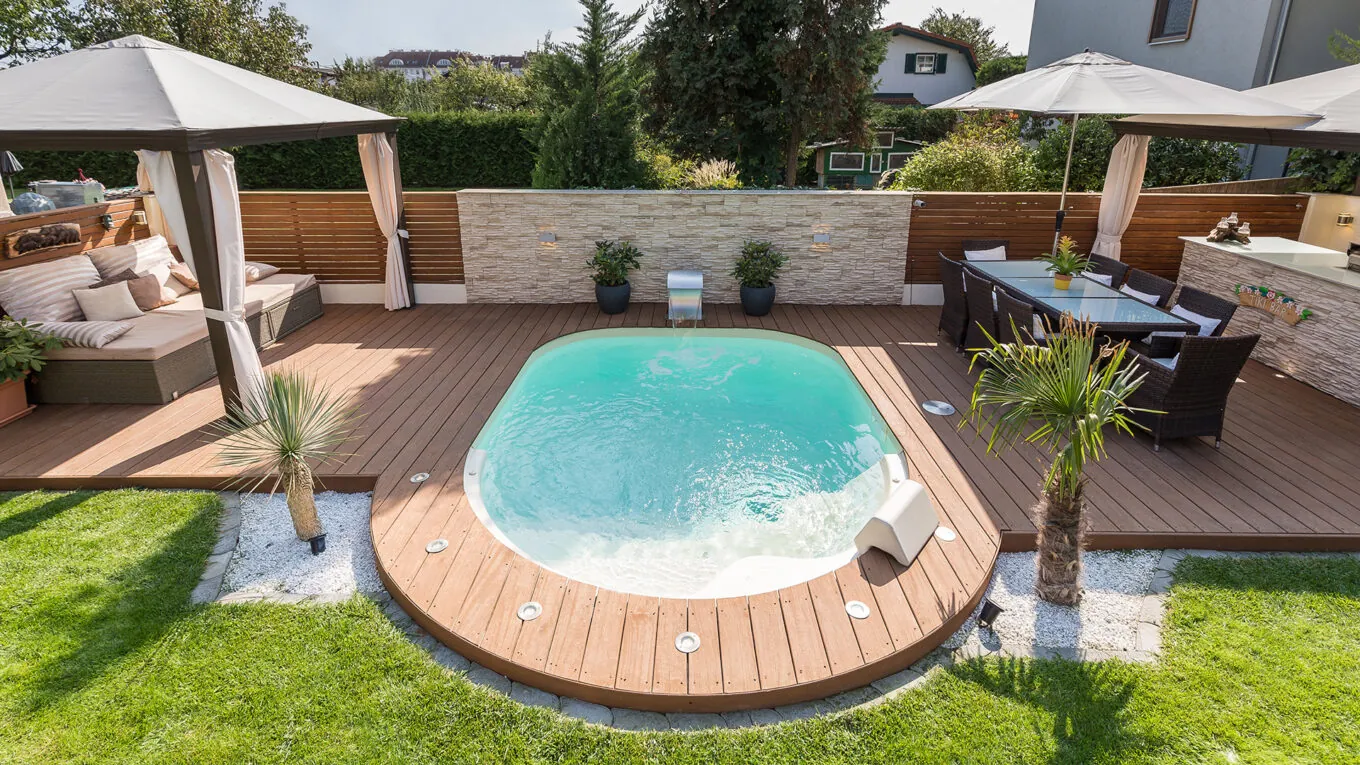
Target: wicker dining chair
column 1108, row 267
column 954, row 312
column 1190, row 398
column 974, row 245
column 981, row 311
column 1205, row 304
column 1151, row 284
column 1015, row 316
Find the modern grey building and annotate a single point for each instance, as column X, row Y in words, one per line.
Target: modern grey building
column 1239, row 44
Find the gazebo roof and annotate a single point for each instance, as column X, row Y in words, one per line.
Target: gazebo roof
column 140, row 93
column 1334, row 94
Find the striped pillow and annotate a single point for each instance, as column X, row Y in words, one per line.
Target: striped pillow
column 141, row 256
column 84, row 334
column 42, row 291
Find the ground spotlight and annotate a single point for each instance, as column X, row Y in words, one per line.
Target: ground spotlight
column 989, row 613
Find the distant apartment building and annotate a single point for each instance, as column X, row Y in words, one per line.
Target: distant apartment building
column 422, row 64
column 923, row 68
column 1238, row 44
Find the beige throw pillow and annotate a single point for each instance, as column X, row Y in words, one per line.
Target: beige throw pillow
column 186, row 277
column 110, row 303
column 258, row 271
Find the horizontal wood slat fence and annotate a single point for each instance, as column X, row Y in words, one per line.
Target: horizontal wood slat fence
column 1150, row 243
column 334, row 236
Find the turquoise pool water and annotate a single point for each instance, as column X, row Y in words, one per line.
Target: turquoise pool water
column 682, row 462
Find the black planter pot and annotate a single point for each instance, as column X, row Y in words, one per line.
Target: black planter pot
column 757, row 301
column 613, row 299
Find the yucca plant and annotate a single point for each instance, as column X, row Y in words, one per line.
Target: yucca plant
column 1060, row 398
column 290, row 423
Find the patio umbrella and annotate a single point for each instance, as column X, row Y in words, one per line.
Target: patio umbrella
column 1095, row 83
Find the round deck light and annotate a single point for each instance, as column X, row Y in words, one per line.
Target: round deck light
column 857, row 609
column 687, row 642
column 945, row 534
column 436, row 545
column 420, row 478
column 529, row 611
column 941, row 408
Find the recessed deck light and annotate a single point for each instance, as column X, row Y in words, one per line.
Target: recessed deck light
column 942, row 408
column 436, row 545
column 687, row 642
column 857, row 609
column 420, row 478
column 529, row 611
column 945, row 534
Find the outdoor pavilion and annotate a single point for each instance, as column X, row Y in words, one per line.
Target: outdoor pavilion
column 178, row 110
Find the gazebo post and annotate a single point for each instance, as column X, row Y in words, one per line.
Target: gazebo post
column 191, row 176
column 404, row 242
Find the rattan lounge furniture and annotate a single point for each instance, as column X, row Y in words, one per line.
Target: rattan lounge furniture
column 1199, row 302
column 1108, row 267
column 1190, row 397
column 1151, row 284
column 1012, row 316
column 981, row 311
column 954, row 312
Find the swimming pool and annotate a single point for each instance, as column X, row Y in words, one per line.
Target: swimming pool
column 683, row 463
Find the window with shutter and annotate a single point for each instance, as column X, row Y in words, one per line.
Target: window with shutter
column 940, row 59
column 925, row 63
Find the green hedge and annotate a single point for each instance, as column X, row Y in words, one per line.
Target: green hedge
column 437, row 150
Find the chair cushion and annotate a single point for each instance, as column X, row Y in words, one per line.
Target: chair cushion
column 258, row 271
column 1169, row 363
column 1206, row 324
column 42, row 291
column 165, row 330
column 996, row 253
column 140, row 255
column 1146, row 297
column 112, row 302
column 84, row 334
column 1104, row 279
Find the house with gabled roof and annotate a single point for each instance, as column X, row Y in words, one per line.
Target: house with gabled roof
column 923, row 68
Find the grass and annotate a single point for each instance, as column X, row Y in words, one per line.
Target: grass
column 102, row 659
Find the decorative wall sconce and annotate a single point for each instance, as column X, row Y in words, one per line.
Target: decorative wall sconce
column 821, row 238
column 106, row 221
column 547, row 237
column 1345, row 219
column 139, row 217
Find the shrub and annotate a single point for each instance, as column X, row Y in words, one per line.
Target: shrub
column 22, row 349
column 999, row 69
column 914, row 123
column 1171, row 161
column 713, row 174
column 759, row 264
column 978, row 156
column 437, row 150
column 1337, row 172
column 612, row 261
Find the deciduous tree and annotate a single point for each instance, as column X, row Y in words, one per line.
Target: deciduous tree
column 969, row 29
column 31, row 29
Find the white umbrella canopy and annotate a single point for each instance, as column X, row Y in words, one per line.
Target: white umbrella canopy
column 1097, row 83
column 1334, row 94
column 140, row 93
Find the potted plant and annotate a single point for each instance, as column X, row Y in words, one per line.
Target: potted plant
column 288, row 424
column 609, row 267
column 22, row 352
column 1059, row 398
column 756, row 269
column 1065, row 263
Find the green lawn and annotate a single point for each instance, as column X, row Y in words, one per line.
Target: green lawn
column 103, row 660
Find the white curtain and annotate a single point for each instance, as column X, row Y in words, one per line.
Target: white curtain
column 155, row 219
column 231, row 254
column 375, row 153
column 1123, row 182
column 158, row 170
column 5, row 212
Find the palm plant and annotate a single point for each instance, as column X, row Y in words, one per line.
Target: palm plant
column 289, row 424
column 1060, row 398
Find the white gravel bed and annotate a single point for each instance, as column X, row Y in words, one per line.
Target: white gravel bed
column 1113, row 586
column 270, row 559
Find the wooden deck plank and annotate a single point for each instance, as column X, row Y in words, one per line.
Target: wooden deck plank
column 637, row 653
column 705, row 664
column 771, row 641
column 871, row 632
column 670, row 667
column 600, row 664
column 568, row 646
column 739, row 670
column 806, row 648
column 536, row 637
column 842, row 648
column 501, row 634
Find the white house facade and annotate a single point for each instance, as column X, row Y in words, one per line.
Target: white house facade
column 923, row 68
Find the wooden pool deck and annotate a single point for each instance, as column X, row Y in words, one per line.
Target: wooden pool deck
column 428, row 378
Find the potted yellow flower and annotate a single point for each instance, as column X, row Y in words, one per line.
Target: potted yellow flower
column 1065, row 263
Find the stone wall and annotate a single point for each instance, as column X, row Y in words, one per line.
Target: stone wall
column 1319, row 350
column 504, row 261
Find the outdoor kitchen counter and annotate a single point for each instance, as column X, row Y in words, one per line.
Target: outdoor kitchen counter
column 1322, row 350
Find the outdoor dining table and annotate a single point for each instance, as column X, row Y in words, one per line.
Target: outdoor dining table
column 1119, row 316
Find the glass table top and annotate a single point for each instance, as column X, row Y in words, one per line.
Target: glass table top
column 1043, row 287
column 1002, row 268
column 1124, row 310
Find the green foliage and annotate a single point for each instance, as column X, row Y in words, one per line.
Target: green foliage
column 438, row 150
column 245, row 33
column 999, row 69
column 914, row 123
column 759, row 264
column 1059, row 397
column 612, row 261
column 1066, row 261
column 980, row 155
column 713, row 174
column 587, row 96
column 1344, row 47
column 465, row 86
column 1171, row 161
column 23, row 349
column 968, row 29
column 32, row 29
column 1335, row 172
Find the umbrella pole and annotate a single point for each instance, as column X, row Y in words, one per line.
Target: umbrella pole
column 1067, row 173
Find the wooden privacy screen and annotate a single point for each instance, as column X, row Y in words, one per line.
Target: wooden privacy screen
column 334, row 236
column 92, row 231
column 1150, row 243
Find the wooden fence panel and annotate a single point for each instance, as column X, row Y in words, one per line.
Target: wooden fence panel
column 334, row 236
column 92, row 231
column 1150, row 243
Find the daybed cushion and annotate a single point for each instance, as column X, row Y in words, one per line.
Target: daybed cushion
column 140, row 255
column 42, row 291
column 84, row 334
column 113, row 302
column 165, row 330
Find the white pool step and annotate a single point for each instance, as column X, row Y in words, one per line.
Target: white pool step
column 903, row 524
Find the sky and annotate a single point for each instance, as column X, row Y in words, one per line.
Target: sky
column 339, row 28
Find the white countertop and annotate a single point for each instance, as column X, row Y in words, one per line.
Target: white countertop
column 1287, row 253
